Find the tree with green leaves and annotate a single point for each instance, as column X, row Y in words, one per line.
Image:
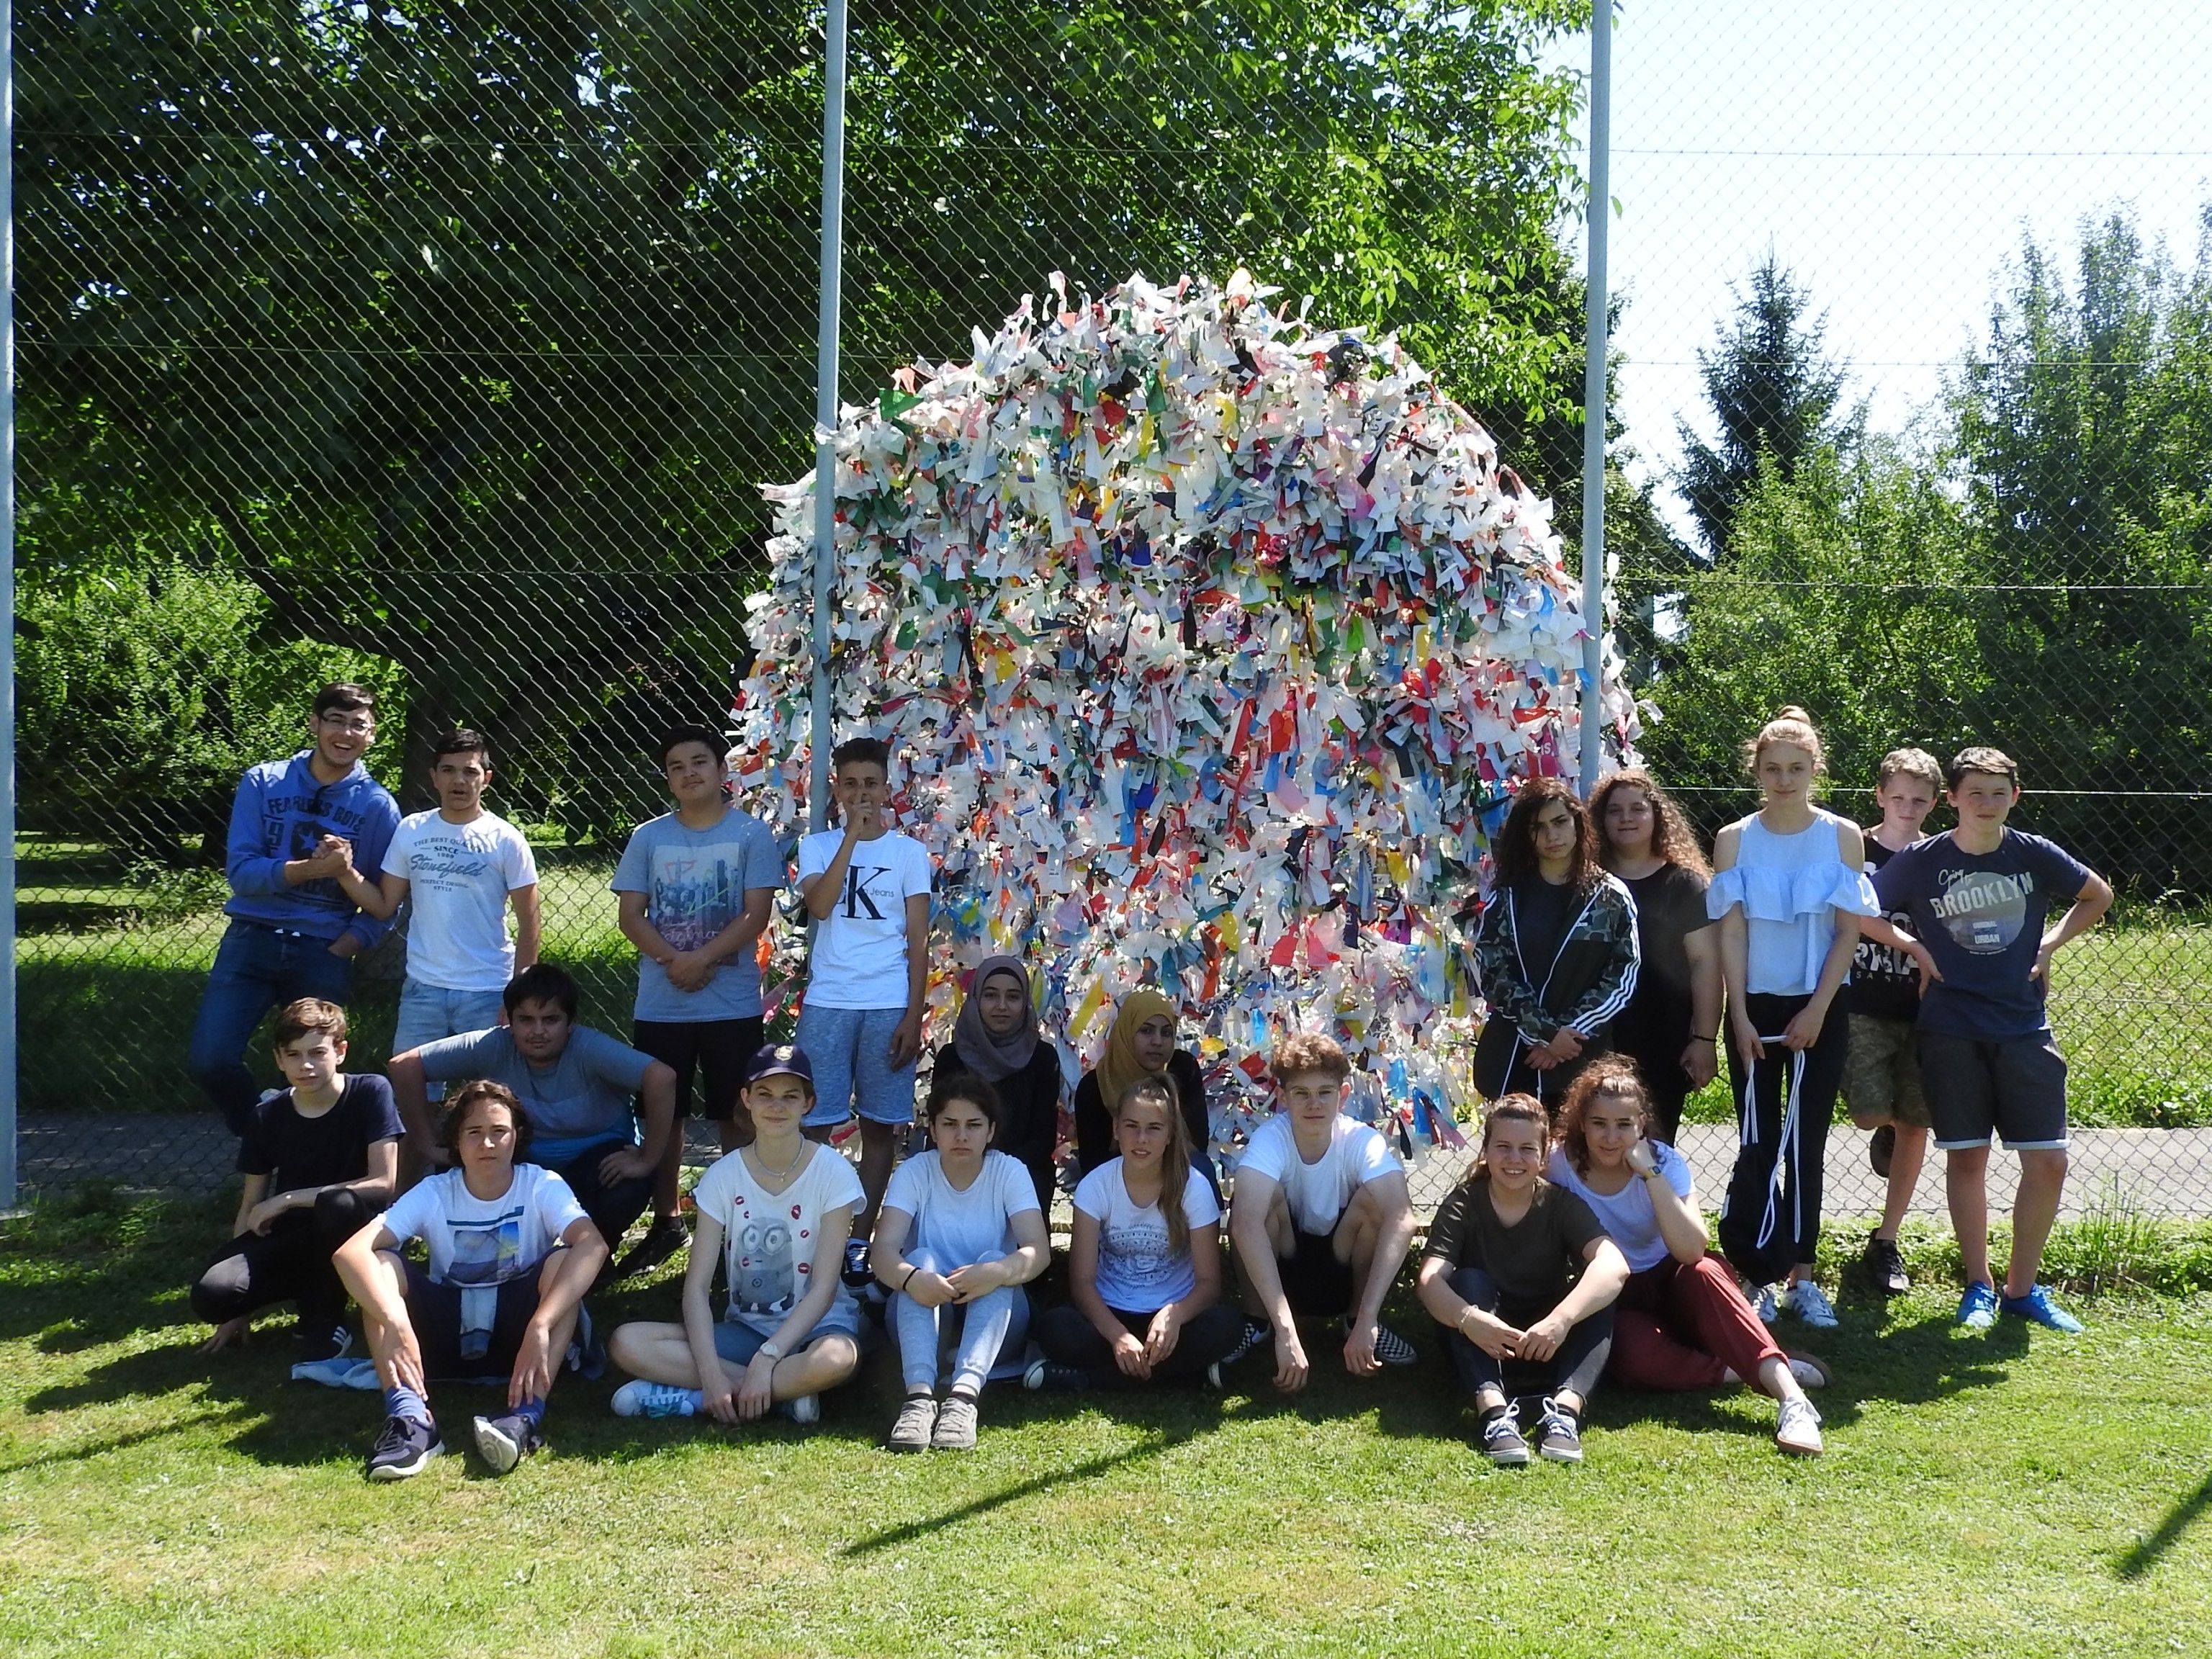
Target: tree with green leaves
column 1774, row 399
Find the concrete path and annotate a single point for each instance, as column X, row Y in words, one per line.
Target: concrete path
column 2160, row 1172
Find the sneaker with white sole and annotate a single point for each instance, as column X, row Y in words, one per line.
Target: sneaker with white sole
column 1559, row 1438
column 1810, row 1303
column 1050, row 1374
column 503, row 1442
column 405, row 1447
column 1256, row 1331
column 1393, row 1349
column 916, row 1421
column 2037, row 1307
column 1761, row 1297
column 1799, row 1430
column 804, row 1409
column 1810, row 1370
column 640, row 1398
column 1501, row 1442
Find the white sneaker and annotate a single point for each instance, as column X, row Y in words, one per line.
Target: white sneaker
column 1761, row 1297
column 639, row 1398
column 1799, row 1430
column 1810, row 1303
column 804, row 1409
column 1810, row 1370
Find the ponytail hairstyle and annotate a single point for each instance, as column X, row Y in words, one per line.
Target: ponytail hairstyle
column 1157, row 1088
column 1508, row 1108
column 1673, row 840
column 1792, row 726
column 1608, row 1074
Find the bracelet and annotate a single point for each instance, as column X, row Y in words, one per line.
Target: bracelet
column 1714, row 1041
column 911, row 1267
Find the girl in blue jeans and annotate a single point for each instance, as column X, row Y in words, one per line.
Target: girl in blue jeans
column 960, row 1233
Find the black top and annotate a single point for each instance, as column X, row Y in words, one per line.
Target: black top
column 1670, row 906
column 1884, row 983
column 297, row 1152
column 1543, row 911
column 1534, row 1262
column 1094, row 1125
column 1028, row 1103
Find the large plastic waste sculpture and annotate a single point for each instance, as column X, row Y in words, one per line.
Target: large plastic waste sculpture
column 1209, row 646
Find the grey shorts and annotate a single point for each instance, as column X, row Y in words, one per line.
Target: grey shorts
column 1881, row 1074
column 2014, row 1088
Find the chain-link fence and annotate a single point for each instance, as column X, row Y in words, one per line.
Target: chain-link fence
column 445, row 348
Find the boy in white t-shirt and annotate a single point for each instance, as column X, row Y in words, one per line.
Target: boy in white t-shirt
column 462, row 867
column 511, row 1256
column 867, row 887
column 1320, row 1219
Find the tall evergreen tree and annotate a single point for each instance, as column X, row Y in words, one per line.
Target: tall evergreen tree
column 1773, row 393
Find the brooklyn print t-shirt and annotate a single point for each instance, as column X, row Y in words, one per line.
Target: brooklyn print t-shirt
column 1982, row 917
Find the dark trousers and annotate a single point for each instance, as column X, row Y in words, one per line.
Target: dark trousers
column 290, row 1262
column 1576, row 1368
column 256, row 969
column 1770, row 1218
column 435, row 1314
column 1070, row 1339
column 611, row 1208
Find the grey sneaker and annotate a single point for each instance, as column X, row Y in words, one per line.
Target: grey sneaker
column 955, row 1424
column 1502, row 1442
column 917, row 1417
column 1557, row 1437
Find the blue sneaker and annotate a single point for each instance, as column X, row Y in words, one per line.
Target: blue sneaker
column 639, row 1398
column 1978, row 1308
column 2037, row 1306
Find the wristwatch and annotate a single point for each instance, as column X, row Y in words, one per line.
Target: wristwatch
column 771, row 1350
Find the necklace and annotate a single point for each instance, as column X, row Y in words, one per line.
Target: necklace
column 784, row 1174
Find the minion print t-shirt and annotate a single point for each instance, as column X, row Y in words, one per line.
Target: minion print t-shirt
column 769, row 1239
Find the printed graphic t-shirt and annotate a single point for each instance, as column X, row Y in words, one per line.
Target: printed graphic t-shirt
column 1884, row 983
column 458, row 875
column 859, row 949
column 769, row 1239
column 1137, row 1272
column 1981, row 915
column 485, row 1241
column 695, row 882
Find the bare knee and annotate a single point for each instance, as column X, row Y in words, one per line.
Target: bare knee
column 2044, row 1163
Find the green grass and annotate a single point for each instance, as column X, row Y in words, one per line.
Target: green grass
column 112, row 957
column 2018, row 1493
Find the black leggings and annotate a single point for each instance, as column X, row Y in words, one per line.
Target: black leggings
column 290, row 1262
column 1068, row 1338
column 1575, row 1369
column 1771, row 1218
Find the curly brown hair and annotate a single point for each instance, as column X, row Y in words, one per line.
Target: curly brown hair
column 1514, row 852
column 1608, row 1074
column 1672, row 837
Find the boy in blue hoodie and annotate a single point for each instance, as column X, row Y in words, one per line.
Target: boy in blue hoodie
column 293, row 931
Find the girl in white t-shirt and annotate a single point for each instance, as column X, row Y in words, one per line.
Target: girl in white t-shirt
column 778, row 1212
column 1681, row 1323
column 960, row 1233
column 1144, row 1266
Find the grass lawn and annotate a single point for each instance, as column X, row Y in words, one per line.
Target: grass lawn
column 2017, row 1493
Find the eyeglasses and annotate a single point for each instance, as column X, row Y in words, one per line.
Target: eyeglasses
column 359, row 725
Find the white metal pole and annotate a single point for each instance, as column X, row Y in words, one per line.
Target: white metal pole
column 825, row 405
column 8, row 1055
column 1594, row 414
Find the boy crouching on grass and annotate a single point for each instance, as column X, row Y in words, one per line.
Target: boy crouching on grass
column 1979, row 897
column 511, row 1254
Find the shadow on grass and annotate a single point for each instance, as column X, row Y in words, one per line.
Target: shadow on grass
column 2146, row 1552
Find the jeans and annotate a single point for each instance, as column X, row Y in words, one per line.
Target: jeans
column 256, row 969
column 992, row 1325
column 1574, row 1369
column 429, row 1013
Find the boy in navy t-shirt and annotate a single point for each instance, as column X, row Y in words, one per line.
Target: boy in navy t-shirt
column 1979, row 898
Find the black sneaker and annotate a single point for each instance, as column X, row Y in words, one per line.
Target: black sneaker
column 503, row 1442
column 1501, row 1442
column 1256, row 1331
column 1064, row 1379
column 1885, row 1267
column 405, row 1447
column 856, row 1274
column 320, row 1344
column 1881, row 1148
column 663, row 1239
column 1559, row 1438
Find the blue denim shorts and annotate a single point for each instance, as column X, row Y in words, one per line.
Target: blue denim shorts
column 849, row 1049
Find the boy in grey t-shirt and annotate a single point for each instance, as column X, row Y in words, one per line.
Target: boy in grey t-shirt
column 697, row 887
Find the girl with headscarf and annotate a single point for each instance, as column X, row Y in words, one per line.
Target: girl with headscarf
column 1142, row 1041
column 996, row 1038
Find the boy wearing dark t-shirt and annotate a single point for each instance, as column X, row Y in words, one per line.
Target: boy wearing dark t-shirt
column 1881, row 1077
column 319, row 1159
column 1979, row 898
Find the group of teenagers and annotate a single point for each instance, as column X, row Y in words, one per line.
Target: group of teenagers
column 1573, row 1249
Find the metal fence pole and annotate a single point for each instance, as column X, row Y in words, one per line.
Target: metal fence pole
column 7, row 604
column 1600, row 203
column 826, row 403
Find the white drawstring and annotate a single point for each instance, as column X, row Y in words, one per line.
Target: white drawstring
column 1791, row 1135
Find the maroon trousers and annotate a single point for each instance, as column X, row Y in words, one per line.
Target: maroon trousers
column 1678, row 1327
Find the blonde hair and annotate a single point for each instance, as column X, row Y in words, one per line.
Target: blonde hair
column 1157, row 1088
column 1794, row 727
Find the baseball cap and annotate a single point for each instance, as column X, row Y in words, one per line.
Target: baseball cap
column 787, row 1058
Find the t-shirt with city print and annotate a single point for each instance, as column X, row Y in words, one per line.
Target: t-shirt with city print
column 695, row 882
